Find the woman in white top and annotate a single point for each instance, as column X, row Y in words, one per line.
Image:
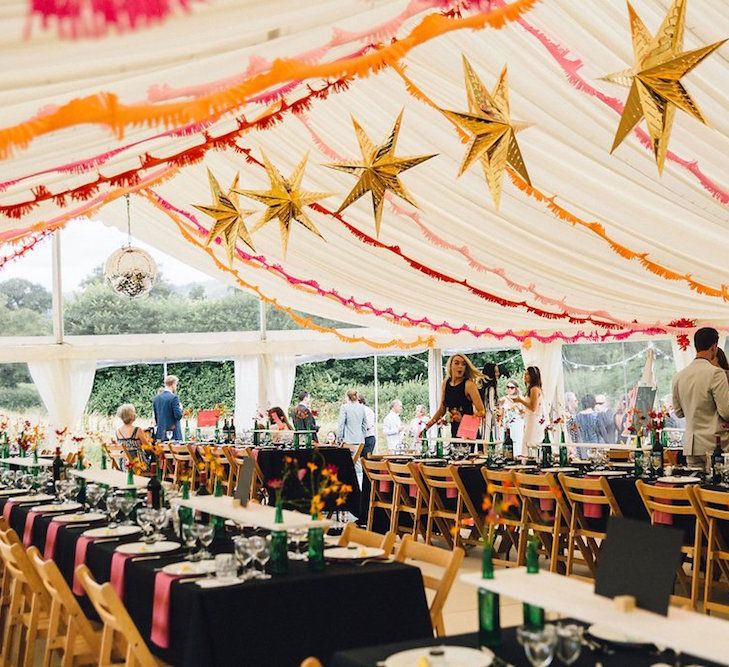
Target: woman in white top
column 417, row 424
column 532, row 401
column 513, row 415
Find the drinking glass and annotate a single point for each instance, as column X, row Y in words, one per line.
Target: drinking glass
column 189, row 537
column 243, row 555
column 127, row 503
column 296, row 537
column 94, row 494
column 225, row 567
column 160, row 519
column 538, row 645
column 569, row 643
column 26, row 482
column 205, row 533
column 264, row 555
column 146, row 523
column 113, row 506
column 256, row 544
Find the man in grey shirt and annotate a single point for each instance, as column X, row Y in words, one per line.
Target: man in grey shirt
column 352, row 429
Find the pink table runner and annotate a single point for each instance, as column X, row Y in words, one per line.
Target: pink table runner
column 161, row 608
column 8, row 509
column 118, row 567
column 28, row 532
column 50, row 548
column 664, row 518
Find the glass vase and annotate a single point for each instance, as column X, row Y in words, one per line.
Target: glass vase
column 489, row 613
column 279, row 545
column 316, row 549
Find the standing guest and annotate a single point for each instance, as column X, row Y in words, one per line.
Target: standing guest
column 490, row 396
column 417, row 423
column 392, row 426
column 167, row 410
column 370, row 438
column 721, row 361
column 513, row 415
column 304, row 419
column 459, row 393
column 331, row 440
column 621, row 415
column 701, row 394
column 532, row 402
column 606, row 420
column 131, row 436
column 587, row 426
column 572, row 408
column 352, row 429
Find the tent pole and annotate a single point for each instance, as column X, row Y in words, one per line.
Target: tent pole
column 377, row 393
column 262, row 319
column 57, row 297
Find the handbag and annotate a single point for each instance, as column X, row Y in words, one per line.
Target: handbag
column 468, row 427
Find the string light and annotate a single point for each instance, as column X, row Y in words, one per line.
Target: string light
column 615, row 364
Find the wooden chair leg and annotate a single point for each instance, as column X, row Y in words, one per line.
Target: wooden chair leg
column 429, row 522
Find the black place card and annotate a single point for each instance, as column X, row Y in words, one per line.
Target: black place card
column 245, row 480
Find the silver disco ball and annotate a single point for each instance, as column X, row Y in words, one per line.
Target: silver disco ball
column 130, row 272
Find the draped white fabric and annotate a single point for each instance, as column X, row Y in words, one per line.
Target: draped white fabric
column 64, row 386
column 435, row 378
column 548, row 358
column 263, row 381
column 671, row 218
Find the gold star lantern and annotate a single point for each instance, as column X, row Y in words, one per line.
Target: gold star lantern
column 229, row 217
column 285, row 200
column 655, row 79
column 494, row 133
column 378, row 170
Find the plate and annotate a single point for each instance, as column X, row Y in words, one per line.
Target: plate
column 454, row 656
column 354, row 552
column 615, row 636
column 105, row 531
column 605, row 473
column 521, row 466
column 189, row 567
column 38, row 498
column 144, row 548
column 558, row 469
column 58, row 507
column 622, row 464
column 673, row 479
column 80, row 518
column 9, row 492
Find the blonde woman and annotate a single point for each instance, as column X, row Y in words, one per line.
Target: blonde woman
column 459, row 394
column 129, row 435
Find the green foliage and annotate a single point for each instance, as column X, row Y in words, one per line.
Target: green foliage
column 24, row 294
column 19, row 398
column 22, row 321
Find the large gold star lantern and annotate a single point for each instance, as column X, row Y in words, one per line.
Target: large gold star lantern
column 655, row 79
column 378, row 170
column 494, row 133
column 285, row 200
column 229, row 217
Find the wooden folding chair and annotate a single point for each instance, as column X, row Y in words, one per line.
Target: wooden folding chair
column 116, row 453
column 545, row 513
column 259, row 482
column 594, row 496
column 618, row 454
column 356, row 453
column 406, row 476
column 715, row 508
column 219, row 456
column 119, row 629
column 502, row 491
column 449, row 560
column 29, row 608
column 353, row 534
column 381, row 488
column 439, row 482
column 69, row 631
column 184, row 465
column 167, row 462
column 10, row 537
column 661, row 501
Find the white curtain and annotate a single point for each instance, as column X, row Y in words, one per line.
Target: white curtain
column 682, row 358
column 263, row 381
column 548, row 358
column 64, row 386
column 435, row 377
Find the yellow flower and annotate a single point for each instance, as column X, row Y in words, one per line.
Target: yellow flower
column 312, row 466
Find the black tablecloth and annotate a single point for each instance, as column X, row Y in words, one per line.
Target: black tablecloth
column 511, row 652
column 276, row 622
column 271, row 462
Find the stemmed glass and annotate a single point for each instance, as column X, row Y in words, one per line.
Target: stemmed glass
column 569, row 643
column 296, row 537
column 94, row 494
column 189, row 536
column 538, row 645
column 145, row 520
column 26, row 482
column 262, row 554
column 113, row 506
column 127, row 503
column 205, row 533
column 160, row 518
column 244, row 556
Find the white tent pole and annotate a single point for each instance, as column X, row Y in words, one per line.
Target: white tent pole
column 377, row 393
column 164, row 370
column 57, row 298
column 435, row 377
column 262, row 319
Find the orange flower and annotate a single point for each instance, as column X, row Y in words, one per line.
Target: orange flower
column 487, row 504
column 312, row 466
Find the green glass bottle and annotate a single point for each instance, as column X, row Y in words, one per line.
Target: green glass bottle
column 564, row 459
column 424, row 446
column 103, row 459
column 490, row 451
column 218, row 521
column 79, row 461
column 508, row 445
column 546, row 450
column 438, row 448
column 279, row 545
column 256, row 435
column 296, row 439
column 638, row 464
column 315, row 538
column 130, row 476
column 533, row 615
column 656, row 454
column 186, row 435
column 489, row 613
column 309, row 440
column 185, row 513
column 217, row 432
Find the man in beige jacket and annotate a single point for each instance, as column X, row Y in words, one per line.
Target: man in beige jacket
column 701, row 394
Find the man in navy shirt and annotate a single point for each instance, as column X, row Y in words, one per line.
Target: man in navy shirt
column 168, row 411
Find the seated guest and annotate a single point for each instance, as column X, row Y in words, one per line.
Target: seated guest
column 279, row 421
column 129, row 435
column 304, row 418
column 331, row 440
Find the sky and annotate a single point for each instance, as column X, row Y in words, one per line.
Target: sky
column 77, row 263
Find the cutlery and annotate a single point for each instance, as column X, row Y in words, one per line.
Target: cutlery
column 138, row 558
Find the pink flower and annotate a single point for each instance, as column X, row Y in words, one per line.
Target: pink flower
column 301, row 473
column 275, row 483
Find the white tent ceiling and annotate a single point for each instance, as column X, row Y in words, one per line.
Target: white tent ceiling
column 522, row 253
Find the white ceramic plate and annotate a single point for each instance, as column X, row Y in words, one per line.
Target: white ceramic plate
column 59, row 507
column 9, row 492
column 455, row 656
column 678, row 480
column 558, row 470
column 39, row 498
column 355, row 552
column 605, row 473
column 119, row 531
column 622, row 464
column 189, row 567
column 144, row 548
column 613, row 636
column 521, row 466
column 80, row 518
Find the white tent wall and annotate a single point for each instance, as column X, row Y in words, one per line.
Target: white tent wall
column 548, row 358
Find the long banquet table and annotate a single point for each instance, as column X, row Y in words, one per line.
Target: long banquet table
column 276, row 622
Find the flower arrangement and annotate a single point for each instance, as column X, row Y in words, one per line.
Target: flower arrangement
column 657, row 419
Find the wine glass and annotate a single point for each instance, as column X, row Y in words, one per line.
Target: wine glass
column 296, row 537
column 160, row 519
column 256, row 544
column 113, row 506
column 94, row 494
column 205, row 533
column 146, row 523
column 538, row 645
column 264, row 555
column 569, row 643
column 127, row 503
column 189, row 537
column 243, row 555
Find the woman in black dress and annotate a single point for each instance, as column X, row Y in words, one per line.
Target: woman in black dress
column 460, row 393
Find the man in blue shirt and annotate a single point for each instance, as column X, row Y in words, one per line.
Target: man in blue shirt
column 168, row 411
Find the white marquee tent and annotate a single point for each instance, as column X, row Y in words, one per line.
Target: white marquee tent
column 600, row 247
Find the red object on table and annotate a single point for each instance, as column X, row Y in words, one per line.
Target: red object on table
column 207, row 417
column 160, row 634
column 50, row 547
column 664, row 518
column 118, row 566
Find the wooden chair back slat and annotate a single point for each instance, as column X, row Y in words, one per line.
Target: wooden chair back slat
column 353, row 534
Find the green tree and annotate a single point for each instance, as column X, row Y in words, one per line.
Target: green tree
column 24, row 294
